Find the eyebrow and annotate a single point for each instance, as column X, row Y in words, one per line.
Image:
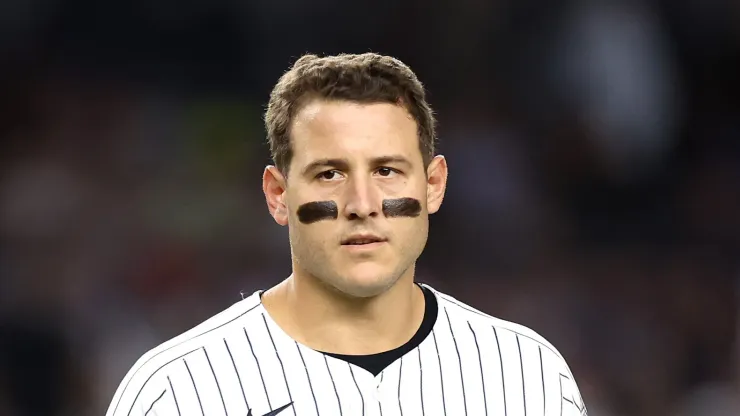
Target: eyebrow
column 343, row 164
column 387, row 160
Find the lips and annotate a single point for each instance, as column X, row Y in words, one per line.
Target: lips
column 363, row 239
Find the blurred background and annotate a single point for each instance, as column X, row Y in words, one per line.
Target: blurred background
column 594, row 194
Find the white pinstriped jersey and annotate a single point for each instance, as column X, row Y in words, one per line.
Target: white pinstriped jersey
column 240, row 363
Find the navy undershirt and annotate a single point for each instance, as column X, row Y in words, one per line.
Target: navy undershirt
column 375, row 363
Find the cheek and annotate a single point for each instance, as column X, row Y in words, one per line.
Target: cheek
column 317, row 235
column 409, row 230
column 400, row 186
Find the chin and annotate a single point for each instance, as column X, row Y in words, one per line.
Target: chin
column 365, row 281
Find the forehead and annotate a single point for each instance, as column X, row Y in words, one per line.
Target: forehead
column 341, row 129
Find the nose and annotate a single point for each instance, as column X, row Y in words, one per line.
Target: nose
column 363, row 200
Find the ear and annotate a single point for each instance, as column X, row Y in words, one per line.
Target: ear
column 273, row 185
column 436, row 183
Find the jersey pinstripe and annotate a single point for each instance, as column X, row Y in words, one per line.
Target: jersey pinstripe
column 241, row 363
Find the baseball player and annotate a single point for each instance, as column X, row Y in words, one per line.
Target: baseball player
column 350, row 332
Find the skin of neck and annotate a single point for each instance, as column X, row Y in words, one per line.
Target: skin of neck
column 325, row 319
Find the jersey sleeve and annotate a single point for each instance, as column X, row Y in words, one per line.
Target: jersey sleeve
column 143, row 393
column 573, row 404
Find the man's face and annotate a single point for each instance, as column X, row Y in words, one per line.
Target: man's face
column 363, row 163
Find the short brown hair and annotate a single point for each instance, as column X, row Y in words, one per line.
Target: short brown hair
column 363, row 78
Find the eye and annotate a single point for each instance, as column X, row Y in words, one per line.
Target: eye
column 386, row 171
column 328, row 175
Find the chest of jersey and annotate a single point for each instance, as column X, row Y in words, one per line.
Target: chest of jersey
column 516, row 377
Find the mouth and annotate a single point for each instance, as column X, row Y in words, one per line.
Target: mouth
column 362, row 240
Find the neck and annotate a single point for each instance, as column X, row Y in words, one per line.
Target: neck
column 327, row 320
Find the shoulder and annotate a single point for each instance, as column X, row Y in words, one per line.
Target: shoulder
column 462, row 315
column 143, row 379
column 495, row 334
